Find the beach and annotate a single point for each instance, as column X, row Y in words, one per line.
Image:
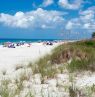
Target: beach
column 47, row 48
column 10, row 57
column 22, row 72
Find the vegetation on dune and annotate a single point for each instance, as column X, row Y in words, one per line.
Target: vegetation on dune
column 72, row 92
column 75, row 56
column 4, row 91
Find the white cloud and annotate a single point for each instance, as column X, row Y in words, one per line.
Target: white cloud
column 69, row 25
column 73, row 24
column 89, row 26
column 76, row 4
column 87, row 15
column 47, row 3
column 86, row 20
column 34, row 19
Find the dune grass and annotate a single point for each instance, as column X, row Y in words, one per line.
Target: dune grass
column 72, row 92
column 81, row 55
column 4, row 91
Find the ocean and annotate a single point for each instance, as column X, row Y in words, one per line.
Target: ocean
column 27, row 40
column 32, row 40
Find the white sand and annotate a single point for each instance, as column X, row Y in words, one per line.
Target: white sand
column 86, row 80
column 10, row 57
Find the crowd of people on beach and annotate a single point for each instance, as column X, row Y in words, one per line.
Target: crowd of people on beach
column 21, row 43
column 12, row 45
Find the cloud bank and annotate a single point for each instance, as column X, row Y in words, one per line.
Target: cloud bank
column 45, row 19
column 34, row 19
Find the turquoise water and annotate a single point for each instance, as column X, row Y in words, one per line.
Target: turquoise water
column 30, row 40
column 26, row 40
column 18, row 40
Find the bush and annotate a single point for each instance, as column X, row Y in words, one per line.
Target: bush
column 93, row 35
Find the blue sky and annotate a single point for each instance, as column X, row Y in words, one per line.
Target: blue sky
column 47, row 19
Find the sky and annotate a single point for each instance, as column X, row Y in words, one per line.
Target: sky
column 47, row 19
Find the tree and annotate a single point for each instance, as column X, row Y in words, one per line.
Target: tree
column 93, row 35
